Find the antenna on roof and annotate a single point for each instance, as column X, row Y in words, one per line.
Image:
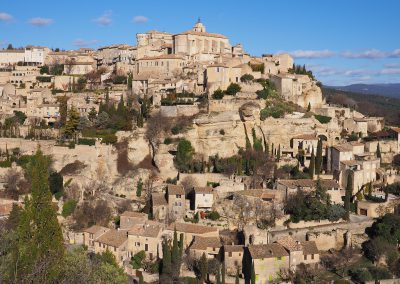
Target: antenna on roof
column 199, row 20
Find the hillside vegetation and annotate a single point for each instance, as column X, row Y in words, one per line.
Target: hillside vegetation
column 371, row 105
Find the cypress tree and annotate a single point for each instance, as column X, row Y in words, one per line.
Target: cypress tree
column 38, row 249
column 278, row 155
column 218, row 276
column 272, row 149
column 309, row 107
column 318, row 159
column 203, row 268
column 223, row 272
column 311, row 168
column 166, row 262
column 237, row 278
column 378, row 151
column 176, row 258
column 349, row 193
column 141, row 281
column 253, row 275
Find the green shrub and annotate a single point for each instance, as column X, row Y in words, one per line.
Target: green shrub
column 176, row 129
column 109, row 139
column 86, row 141
column 167, row 141
column 322, row 118
column 137, row 259
column 68, row 207
column 218, row 95
column 5, row 164
column 213, row 215
column 233, row 89
column 247, row 78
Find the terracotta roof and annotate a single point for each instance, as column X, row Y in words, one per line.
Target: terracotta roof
column 233, row 248
column 290, row 244
column 191, row 32
column 158, row 199
column 260, row 193
column 114, row 238
column 94, row 229
column 343, row 147
column 306, row 137
column 309, row 247
column 134, row 214
column 203, row 190
column 175, row 189
column 202, row 243
column 192, row 228
column 396, row 129
column 146, row 230
column 267, row 251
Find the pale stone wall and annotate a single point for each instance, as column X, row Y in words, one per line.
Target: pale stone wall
column 179, row 110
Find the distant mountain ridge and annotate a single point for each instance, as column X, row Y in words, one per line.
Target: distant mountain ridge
column 387, row 90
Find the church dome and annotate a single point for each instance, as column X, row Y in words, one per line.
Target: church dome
column 199, row 27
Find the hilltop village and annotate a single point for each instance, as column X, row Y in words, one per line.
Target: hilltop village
column 189, row 160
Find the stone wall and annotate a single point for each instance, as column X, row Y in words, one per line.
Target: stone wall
column 179, row 110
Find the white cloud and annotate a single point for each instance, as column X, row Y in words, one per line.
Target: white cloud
column 4, row 17
column 140, row 19
column 395, row 53
column 84, row 43
column 105, row 19
column 367, row 54
column 392, row 65
column 40, row 22
column 312, row 53
column 390, row 71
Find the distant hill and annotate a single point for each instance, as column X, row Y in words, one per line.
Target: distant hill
column 368, row 104
column 388, row 90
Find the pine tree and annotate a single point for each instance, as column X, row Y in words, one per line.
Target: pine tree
column 203, row 268
column 378, row 151
column 253, row 275
column 318, row 158
column 311, row 168
column 92, row 114
column 349, row 193
column 38, row 249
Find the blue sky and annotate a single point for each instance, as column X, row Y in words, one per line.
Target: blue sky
column 342, row 41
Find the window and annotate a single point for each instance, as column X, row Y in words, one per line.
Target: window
column 146, row 247
column 305, row 257
column 230, row 254
column 312, row 256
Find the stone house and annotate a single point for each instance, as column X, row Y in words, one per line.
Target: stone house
column 176, row 201
column 203, row 198
column 91, row 234
column 233, row 258
column 269, row 261
column 191, row 231
column 145, row 237
column 159, row 206
column 115, row 241
column 131, row 218
column 220, row 76
column 305, row 252
column 210, row 246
